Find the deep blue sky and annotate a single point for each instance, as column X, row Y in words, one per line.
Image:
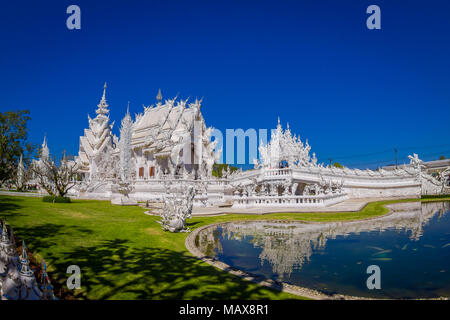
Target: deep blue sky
column 349, row 90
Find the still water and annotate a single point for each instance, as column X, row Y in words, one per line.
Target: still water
column 411, row 246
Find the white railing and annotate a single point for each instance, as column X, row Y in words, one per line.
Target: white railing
column 277, row 172
column 288, row 201
column 179, row 179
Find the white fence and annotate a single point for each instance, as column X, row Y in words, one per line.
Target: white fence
column 288, row 201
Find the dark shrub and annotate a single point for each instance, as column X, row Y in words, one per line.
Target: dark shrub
column 435, row 196
column 56, row 199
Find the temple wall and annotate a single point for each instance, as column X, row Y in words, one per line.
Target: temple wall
column 383, row 192
column 356, row 186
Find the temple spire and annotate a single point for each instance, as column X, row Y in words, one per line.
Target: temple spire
column 103, row 106
column 46, row 286
column 159, row 96
column 5, row 238
column 104, row 92
column 44, row 152
column 25, row 263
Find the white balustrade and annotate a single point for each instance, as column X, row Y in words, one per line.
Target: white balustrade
column 288, row 201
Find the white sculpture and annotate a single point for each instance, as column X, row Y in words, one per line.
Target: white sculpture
column 177, row 208
column 125, row 186
column 17, row 280
column 20, row 180
column 285, row 147
column 96, row 140
column 125, row 146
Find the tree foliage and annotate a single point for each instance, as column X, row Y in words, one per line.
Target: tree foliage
column 338, row 165
column 220, row 168
column 13, row 142
column 56, row 180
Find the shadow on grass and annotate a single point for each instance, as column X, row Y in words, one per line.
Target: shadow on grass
column 41, row 236
column 117, row 270
column 9, row 205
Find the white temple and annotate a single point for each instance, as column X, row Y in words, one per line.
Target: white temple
column 97, row 143
column 170, row 144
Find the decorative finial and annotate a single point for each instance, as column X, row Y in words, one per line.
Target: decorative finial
column 159, row 96
column 46, row 286
column 25, row 263
column 5, row 238
column 279, row 120
column 24, row 250
column 104, row 91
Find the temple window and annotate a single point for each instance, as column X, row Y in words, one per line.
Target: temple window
column 152, row 171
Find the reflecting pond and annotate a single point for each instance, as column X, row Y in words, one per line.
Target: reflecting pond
column 411, row 246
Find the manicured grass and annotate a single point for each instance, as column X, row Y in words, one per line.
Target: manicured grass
column 124, row 254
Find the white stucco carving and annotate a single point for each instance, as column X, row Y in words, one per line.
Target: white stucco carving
column 170, row 142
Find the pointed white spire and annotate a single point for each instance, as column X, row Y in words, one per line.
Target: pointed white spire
column 126, row 131
column 5, row 238
column 159, row 95
column 104, row 92
column 46, row 286
column 25, row 263
column 103, row 106
column 24, row 251
column 20, row 174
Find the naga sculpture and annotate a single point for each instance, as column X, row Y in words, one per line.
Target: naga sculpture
column 177, row 208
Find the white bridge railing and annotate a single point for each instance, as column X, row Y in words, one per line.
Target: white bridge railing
column 268, row 173
column 178, row 179
column 288, row 201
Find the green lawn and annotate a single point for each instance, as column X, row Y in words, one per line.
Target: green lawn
column 124, row 254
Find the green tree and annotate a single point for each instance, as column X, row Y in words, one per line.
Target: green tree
column 220, row 168
column 442, row 158
column 338, row 165
column 13, row 142
column 56, row 180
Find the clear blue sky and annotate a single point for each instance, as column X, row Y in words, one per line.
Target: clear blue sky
column 349, row 90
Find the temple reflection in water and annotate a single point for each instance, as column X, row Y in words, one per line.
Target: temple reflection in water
column 287, row 245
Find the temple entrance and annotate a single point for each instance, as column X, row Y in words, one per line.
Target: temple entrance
column 283, row 164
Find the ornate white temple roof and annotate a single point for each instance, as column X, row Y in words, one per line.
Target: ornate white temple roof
column 284, row 146
column 161, row 126
column 98, row 136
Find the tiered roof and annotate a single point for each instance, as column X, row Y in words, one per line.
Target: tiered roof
column 163, row 125
column 284, row 146
column 98, row 136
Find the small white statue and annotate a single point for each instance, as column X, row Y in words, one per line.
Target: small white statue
column 177, row 208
